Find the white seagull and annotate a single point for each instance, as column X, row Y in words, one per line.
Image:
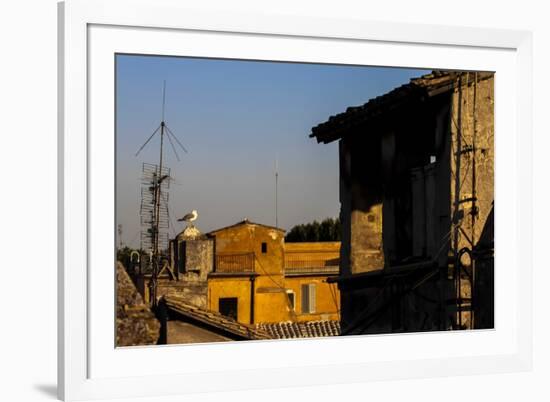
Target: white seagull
column 190, row 217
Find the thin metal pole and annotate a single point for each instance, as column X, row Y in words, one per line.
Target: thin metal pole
column 176, row 138
column 276, row 194
column 163, row 98
column 146, row 142
column 158, row 191
column 172, row 144
column 158, row 186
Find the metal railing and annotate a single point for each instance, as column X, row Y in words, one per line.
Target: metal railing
column 245, row 262
column 234, row 263
column 304, row 266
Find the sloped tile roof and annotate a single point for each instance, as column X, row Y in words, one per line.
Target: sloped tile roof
column 435, row 83
column 214, row 320
column 245, row 222
column 307, row 329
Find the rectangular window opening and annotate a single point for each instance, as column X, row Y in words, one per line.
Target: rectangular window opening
column 228, row 306
column 291, row 300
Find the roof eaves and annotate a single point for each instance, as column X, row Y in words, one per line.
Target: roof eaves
column 214, row 319
column 245, row 222
column 426, row 86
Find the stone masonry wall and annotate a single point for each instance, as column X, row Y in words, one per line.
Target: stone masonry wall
column 135, row 323
column 481, row 139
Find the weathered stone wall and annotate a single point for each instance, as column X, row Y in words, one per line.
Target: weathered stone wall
column 194, row 292
column 472, row 174
column 483, row 155
column 135, row 323
column 198, row 259
column 366, row 240
column 360, row 207
column 193, row 254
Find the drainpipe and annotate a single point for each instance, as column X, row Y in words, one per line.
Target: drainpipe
column 252, row 288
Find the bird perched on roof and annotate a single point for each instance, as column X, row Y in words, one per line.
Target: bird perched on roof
column 190, row 217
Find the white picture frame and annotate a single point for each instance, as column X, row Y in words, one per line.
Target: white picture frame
column 91, row 32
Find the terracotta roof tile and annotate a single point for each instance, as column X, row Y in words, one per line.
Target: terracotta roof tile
column 307, row 329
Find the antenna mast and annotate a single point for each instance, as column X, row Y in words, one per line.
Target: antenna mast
column 155, row 180
column 159, row 176
column 276, row 193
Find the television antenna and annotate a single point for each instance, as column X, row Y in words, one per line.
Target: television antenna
column 155, row 179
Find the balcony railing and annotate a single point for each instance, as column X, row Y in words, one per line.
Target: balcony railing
column 235, row 263
column 311, row 266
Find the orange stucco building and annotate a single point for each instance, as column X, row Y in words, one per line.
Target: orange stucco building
column 306, row 269
column 253, row 276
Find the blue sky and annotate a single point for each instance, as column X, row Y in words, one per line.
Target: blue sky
column 236, row 118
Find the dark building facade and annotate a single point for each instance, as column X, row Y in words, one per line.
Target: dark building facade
column 417, row 196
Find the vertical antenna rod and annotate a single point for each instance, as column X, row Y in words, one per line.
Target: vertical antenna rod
column 158, row 197
column 159, row 175
column 163, row 98
column 276, row 193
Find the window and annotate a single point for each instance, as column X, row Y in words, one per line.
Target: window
column 291, row 299
column 308, row 298
column 228, row 307
column 264, row 247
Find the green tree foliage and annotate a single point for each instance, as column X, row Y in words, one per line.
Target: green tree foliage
column 328, row 230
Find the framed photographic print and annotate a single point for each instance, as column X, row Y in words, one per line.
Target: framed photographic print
column 252, row 201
